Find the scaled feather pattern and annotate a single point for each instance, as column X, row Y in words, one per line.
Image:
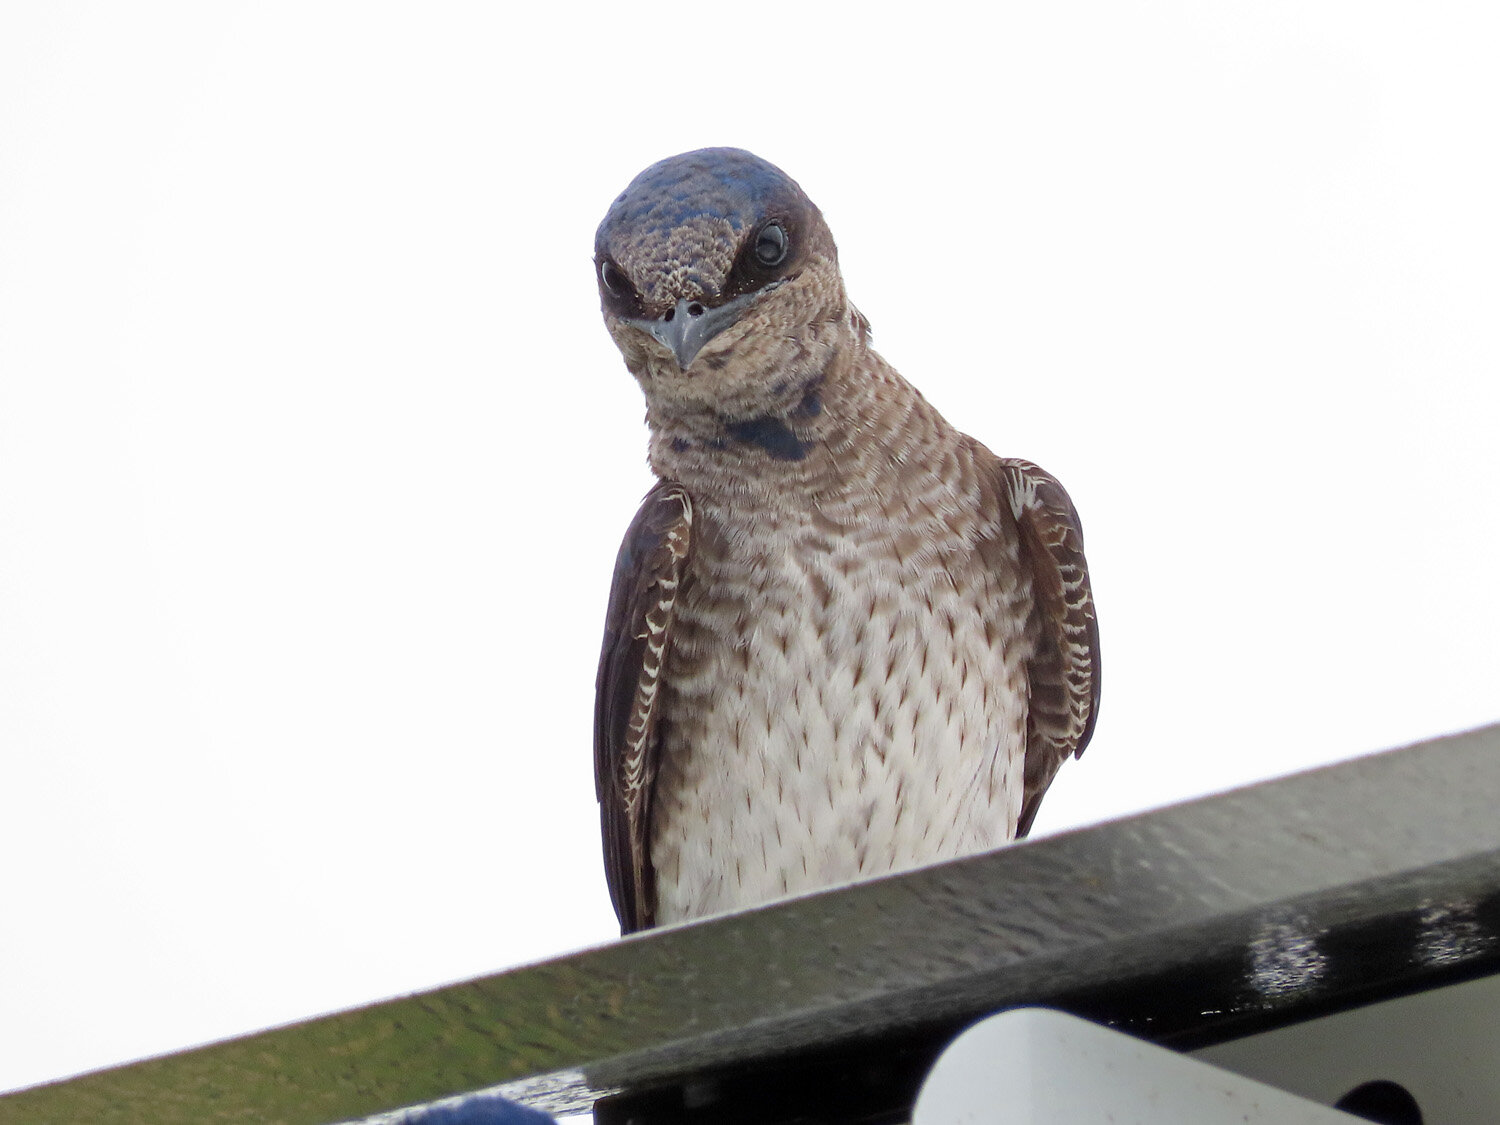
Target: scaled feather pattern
column 844, row 638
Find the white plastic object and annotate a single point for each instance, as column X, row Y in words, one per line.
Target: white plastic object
column 1032, row 1066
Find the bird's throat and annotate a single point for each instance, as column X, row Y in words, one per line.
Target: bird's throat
column 772, row 435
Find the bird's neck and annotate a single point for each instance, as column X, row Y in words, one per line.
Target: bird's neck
column 846, row 429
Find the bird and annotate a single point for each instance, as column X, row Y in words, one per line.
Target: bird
column 843, row 638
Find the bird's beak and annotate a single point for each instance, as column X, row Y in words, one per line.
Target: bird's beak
column 690, row 324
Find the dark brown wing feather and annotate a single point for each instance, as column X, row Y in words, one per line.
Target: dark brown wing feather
column 1064, row 672
column 637, row 633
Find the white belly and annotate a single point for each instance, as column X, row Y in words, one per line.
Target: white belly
column 835, row 713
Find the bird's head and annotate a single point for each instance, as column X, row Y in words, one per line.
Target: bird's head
column 719, row 282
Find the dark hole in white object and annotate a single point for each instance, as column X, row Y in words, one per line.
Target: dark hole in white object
column 1388, row 1103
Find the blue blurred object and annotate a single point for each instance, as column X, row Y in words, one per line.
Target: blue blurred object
column 481, row 1109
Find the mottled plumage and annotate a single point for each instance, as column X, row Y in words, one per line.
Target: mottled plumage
column 844, row 638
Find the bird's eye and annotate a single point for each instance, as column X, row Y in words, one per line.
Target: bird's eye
column 614, row 280
column 771, row 245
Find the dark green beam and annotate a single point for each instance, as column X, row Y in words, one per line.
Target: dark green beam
column 1107, row 921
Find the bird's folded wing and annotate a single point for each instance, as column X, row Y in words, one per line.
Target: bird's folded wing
column 1064, row 672
column 637, row 634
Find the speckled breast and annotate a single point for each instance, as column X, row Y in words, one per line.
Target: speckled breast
column 845, row 700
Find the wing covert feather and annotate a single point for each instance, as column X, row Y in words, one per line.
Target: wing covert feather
column 1064, row 671
column 649, row 571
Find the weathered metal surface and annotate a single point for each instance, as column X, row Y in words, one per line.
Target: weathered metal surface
column 1187, row 924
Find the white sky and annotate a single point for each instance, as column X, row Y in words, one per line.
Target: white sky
column 314, row 457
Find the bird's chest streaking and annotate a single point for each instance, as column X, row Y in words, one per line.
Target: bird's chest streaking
column 846, row 697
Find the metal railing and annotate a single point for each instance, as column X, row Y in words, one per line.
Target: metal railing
column 1188, row 925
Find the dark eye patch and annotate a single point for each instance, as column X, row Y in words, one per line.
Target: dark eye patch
column 619, row 293
column 615, row 283
column 768, row 255
column 772, row 245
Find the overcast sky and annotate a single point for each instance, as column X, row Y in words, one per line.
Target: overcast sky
column 314, row 456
